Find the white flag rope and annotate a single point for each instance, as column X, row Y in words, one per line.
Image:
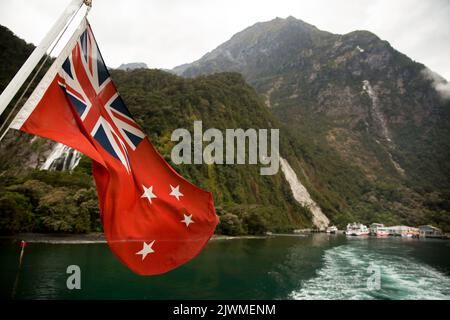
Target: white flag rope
column 59, row 28
column 41, row 88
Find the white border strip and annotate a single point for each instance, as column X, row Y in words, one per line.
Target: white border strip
column 43, row 85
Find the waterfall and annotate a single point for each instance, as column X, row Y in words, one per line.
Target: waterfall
column 381, row 121
column 376, row 111
column 396, row 165
column 302, row 195
column 61, row 158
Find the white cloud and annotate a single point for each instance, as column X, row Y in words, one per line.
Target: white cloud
column 166, row 33
column 440, row 84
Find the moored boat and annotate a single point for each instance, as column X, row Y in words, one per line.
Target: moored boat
column 357, row 229
column 332, row 229
column 379, row 230
column 410, row 233
column 382, row 232
column 404, row 231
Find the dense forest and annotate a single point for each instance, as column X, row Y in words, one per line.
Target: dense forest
column 53, row 201
column 32, row 200
column 373, row 127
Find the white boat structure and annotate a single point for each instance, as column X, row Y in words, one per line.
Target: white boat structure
column 404, row 231
column 357, row 229
column 332, row 229
column 379, row 230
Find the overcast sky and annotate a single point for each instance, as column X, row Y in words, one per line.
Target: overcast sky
column 167, row 33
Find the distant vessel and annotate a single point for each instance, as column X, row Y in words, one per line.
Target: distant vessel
column 332, row 229
column 404, row 231
column 382, row 232
column 411, row 233
column 431, row 232
column 357, row 229
column 379, row 230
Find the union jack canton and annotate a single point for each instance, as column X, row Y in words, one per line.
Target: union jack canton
column 96, row 100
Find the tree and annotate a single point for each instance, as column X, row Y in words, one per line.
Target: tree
column 15, row 213
column 58, row 212
column 230, row 225
column 255, row 223
column 32, row 189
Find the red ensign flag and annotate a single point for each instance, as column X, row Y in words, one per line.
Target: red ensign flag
column 154, row 219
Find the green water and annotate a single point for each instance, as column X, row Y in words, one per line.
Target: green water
column 286, row 267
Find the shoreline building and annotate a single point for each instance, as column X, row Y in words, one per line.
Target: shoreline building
column 429, row 231
column 403, row 231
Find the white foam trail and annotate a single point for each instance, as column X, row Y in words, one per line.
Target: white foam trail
column 345, row 272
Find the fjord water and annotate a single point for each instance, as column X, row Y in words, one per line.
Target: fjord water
column 318, row 266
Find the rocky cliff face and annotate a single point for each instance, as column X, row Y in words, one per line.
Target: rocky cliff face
column 354, row 98
column 162, row 102
column 302, row 196
column 364, row 129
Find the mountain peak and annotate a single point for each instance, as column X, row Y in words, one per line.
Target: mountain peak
column 298, row 21
column 354, row 95
column 289, row 18
column 288, row 21
column 132, row 66
column 273, row 44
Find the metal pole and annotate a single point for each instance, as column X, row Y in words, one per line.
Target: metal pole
column 23, row 244
column 26, row 69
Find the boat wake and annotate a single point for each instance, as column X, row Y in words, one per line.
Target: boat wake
column 346, row 271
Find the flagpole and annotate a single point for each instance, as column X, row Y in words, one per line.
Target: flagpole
column 16, row 282
column 29, row 65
